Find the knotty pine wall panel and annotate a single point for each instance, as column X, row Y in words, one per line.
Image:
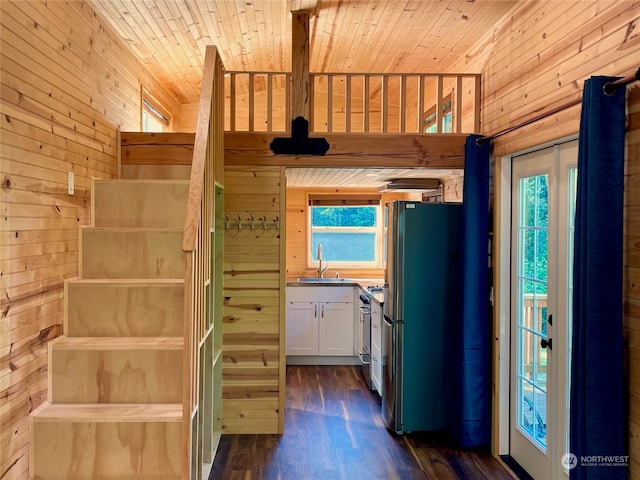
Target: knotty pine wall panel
column 253, row 369
column 631, row 299
column 452, row 188
column 67, row 83
column 538, row 59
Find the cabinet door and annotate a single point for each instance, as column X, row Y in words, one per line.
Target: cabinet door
column 376, row 368
column 376, row 326
column 376, row 346
column 336, row 326
column 302, row 328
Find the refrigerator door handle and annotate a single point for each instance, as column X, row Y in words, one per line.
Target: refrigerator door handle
column 388, row 320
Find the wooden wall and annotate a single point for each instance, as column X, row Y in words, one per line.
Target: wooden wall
column 297, row 222
column 632, row 274
column 67, row 83
column 538, row 59
column 452, row 188
column 253, row 369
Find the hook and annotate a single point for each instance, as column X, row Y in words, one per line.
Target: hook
column 239, row 222
column 264, row 221
column 252, row 221
column 277, row 222
column 227, row 225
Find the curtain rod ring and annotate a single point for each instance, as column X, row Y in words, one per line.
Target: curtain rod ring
column 609, row 89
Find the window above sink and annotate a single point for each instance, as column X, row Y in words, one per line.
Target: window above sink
column 350, row 230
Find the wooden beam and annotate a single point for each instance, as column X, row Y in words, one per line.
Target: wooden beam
column 300, row 64
column 303, row 5
column 353, row 150
column 143, row 148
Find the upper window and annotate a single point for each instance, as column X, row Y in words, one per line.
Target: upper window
column 155, row 118
column 430, row 125
column 350, row 231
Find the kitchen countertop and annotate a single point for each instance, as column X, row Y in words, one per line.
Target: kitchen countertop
column 363, row 283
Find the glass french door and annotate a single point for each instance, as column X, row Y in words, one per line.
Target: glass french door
column 543, row 207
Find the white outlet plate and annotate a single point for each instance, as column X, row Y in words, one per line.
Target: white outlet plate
column 70, row 183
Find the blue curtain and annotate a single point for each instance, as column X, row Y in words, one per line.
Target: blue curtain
column 598, row 419
column 473, row 428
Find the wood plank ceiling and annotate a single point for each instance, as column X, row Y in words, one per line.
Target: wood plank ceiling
column 362, row 36
column 357, row 36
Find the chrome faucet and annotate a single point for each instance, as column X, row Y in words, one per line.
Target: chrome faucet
column 321, row 270
column 319, row 258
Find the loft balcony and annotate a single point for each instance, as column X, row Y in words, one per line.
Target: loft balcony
column 356, row 102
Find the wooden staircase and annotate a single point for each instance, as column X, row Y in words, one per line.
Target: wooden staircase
column 114, row 406
column 135, row 382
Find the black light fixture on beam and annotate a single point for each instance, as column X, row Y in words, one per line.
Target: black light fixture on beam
column 299, row 143
column 411, row 185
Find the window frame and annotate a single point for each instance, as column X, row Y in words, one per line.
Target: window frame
column 378, row 229
column 151, row 106
column 430, row 117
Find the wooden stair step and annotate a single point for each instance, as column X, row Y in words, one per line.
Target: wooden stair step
column 101, row 413
column 126, row 308
column 139, row 203
column 130, row 441
column 131, row 253
column 115, row 370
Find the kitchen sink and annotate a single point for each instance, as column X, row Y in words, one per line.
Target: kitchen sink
column 324, row 280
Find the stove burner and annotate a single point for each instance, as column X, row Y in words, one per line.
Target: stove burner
column 375, row 289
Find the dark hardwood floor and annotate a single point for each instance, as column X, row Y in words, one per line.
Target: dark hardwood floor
column 334, row 430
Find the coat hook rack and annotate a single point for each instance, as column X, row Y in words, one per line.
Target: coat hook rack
column 252, row 222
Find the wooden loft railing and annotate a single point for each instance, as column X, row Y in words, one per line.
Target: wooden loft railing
column 202, row 243
column 356, row 102
column 257, row 101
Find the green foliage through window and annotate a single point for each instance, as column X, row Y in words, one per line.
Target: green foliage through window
column 348, row 234
column 534, row 233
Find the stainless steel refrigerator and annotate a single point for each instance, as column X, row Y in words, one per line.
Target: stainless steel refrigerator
column 421, row 311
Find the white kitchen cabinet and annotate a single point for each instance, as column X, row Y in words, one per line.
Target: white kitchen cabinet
column 376, row 346
column 320, row 321
column 302, row 328
column 335, row 329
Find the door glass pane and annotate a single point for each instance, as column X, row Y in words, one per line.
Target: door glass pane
column 532, row 261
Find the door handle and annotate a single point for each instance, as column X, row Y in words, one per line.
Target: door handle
column 544, row 343
column 315, row 311
column 387, row 320
column 322, row 311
